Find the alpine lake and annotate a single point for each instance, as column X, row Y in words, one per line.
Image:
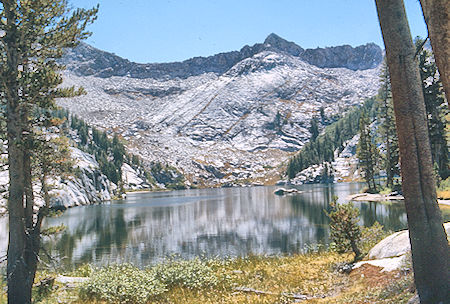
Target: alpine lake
column 145, row 228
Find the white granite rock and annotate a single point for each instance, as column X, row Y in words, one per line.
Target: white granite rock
column 395, row 245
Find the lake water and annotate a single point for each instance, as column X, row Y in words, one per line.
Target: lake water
column 147, row 227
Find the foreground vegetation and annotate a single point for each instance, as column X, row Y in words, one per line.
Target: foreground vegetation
column 254, row 279
column 314, row 277
column 443, row 191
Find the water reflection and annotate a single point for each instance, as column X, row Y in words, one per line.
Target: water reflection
column 147, row 227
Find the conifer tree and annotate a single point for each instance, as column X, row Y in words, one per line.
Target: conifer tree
column 322, row 147
column 367, row 152
column 314, row 129
column 435, row 107
column 429, row 245
column 33, row 36
column 437, row 17
column 387, row 128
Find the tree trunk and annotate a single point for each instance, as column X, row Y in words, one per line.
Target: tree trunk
column 437, row 18
column 18, row 273
column 29, row 196
column 33, row 238
column 358, row 255
column 429, row 247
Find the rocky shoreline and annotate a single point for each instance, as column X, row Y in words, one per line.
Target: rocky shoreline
column 377, row 197
column 369, row 197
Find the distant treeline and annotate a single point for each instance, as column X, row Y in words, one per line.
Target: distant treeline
column 321, row 148
column 111, row 154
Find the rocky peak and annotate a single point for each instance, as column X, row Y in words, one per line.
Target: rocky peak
column 362, row 57
column 85, row 60
column 273, row 41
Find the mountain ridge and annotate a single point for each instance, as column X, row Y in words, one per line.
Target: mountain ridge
column 222, row 126
column 103, row 64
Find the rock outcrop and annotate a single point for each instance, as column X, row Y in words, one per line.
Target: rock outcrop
column 391, row 253
column 362, row 57
column 88, row 185
column 395, row 245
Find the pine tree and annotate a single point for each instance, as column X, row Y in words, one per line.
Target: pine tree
column 429, row 245
column 367, row 152
column 387, row 128
column 436, row 14
column 51, row 159
column 435, row 107
column 323, row 146
column 323, row 118
column 34, row 35
column 314, row 129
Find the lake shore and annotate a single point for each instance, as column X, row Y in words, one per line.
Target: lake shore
column 377, row 197
column 318, row 277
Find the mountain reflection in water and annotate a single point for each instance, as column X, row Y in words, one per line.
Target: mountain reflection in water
column 147, row 227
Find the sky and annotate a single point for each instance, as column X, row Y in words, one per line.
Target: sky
column 174, row 30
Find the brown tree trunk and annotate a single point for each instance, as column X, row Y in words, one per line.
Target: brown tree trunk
column 32, row 236
column 429, row 247
column 18, row 272
column 358, row 255
column 437, row 18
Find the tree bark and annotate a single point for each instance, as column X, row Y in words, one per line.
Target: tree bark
column 429, row 247
column 437, row 18
column 18, row 272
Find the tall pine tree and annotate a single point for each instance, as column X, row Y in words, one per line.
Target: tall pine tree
column 387, row 130
column 435, row 106
column 33, row 36
column 429, row 245
column 367, row 153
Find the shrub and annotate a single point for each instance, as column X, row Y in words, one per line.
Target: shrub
column 43, row 289
column 192, row 274
column 386, row 191
column 401, row 288
column 128, row 284
column 370, row 236
column 445, row 184
column 122, row 284
column 443, row 190
column 345, row 231
column 84, row 270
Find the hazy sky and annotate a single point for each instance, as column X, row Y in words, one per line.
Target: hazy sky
column 174, row 30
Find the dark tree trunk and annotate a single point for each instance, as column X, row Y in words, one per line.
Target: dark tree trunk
column 19, row 276
column 32, row 241
column 358, row 255
column 429, row 247
column 29, row 196
column 437, row 18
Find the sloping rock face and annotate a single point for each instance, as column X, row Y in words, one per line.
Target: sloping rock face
column 88, row 186
column 219, row 119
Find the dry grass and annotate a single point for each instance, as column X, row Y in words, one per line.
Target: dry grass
column 443, row 194
column 313, row 275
